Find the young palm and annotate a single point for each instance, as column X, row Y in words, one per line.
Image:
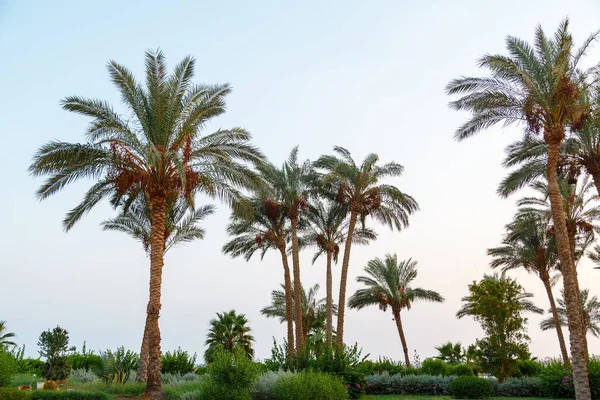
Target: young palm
column 157, row 151
column 265, row 229
column 287, row 191
column 451, row 353
column 527, row 245
column 591, row 314
column 326, row 229
column 181, row 226
column 388, row 285
column 360, row 189
column 540, row 86
column 228, row 331
column 314, row 309
column 5, row 336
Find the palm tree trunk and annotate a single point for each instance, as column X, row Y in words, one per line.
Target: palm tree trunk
column 329, row 302
column 559, row 332
column 402, row 338
column 572, row 231
column 595, row 172
column 142, row 371
column 343, row 281
column 289, row 311
column 297, row 289
column 580, row 374
column 154, row 388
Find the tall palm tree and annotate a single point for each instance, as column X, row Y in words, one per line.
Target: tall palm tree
column 388, row 284
column 540, row 86
column 314, row 309
column 360, row 189
column 326, row 229
column 288, row 189
column 591, row 314
column 527, row 245
column 5, row 336
column 180, row 227
column 158, row 152
column 229, row 331
column 264, row 230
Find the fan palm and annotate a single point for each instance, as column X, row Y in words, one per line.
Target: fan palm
column 388, row 285
column 180, row 227
column 591, row 314
column 287, row 191
column 540, row 86
column 314, row 309
column 326, row 231
column 264, row 230
column 360, row 189
column 527, row 245
column 157, row 152
column 451, row 353
column 5, row 336
column 228, row 331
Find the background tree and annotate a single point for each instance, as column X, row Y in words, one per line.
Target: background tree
column 157, row 152
column 5, row 336
column 229, row 331
column 388, row 284
column 540, row 86
column 361, row 190
column 451, row 353
column 498, row 303
column 54, row 347
column 591, row 313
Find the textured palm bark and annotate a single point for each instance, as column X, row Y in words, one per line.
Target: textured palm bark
column 329, row 302
column 142, row 371
column 595, row 172
column 344, row 280
column 561, row 339
column 289, row 310
column 572, row 231
column 154, row 388
column 402, row 337
column 580, row 374
column 297, row 290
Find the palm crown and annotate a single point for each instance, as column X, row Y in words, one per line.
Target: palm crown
column 229, row 331
column 5, row 336
column 591, row 313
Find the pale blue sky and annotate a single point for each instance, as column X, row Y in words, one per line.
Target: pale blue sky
column 368, row 76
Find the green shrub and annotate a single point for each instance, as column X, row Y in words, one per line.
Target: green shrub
column 54, row 346
column 381, row 365
column 56, row 368
column 408, row 385
column 8, row 366
column 310, row 386
column 529, row 368
column 263, row 389
column 82, row 376
column 85, row 361
column 30, row 366
column 520, row 387
column 178, row 362
column 116, row 366
column 231, row 376
column 433, row 366
column 14, row 394
column 195, row 395
column 471, row 387
column 44, row 395
column 460, row 370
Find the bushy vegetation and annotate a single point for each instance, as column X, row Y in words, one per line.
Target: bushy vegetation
column 309, row 385
column 520, row 387
column 263, row 389
column 385, row 383
column 178, row 362
column 14, row 394
column 231, row 376
column 54, row 346
column 471, row 387
column 117, row 366
column 45, row 395
column 8, row 366
column 85, row 360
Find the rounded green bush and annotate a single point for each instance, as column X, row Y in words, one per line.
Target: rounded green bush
column 14, row 394
column 471, row 387
column 460, row 370
column 310, row 386
column 434, row 367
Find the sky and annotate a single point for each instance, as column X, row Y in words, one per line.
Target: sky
column 368, row 76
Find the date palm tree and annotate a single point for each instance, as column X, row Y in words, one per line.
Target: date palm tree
column 181, row 226
column 265, row 229
column 157, row 151
column 229, row 331
column 539, row 86
column 388, row 285
column 6, row 338
column 527, row 245
column 327, row 225
column 591, row 314
column 314, row 309
column 361, row 190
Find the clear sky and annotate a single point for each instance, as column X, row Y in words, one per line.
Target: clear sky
column 366, row 75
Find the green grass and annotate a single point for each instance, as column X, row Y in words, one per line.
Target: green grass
column 398, row 397
column 25, row 379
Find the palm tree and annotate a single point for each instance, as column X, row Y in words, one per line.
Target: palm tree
column 540, row 86
column 264, row 230
column 228, row 331
column 527, row 245
column 157, row 152
column 180, row 227
column 314, row 309
column 388, row 284
column 6, row 337
column 360, row 189
column 326, row 231
column 451, row 353
column 591, row 313
column 287, row 191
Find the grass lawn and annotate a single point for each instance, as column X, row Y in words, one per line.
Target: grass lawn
column 398, row 397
